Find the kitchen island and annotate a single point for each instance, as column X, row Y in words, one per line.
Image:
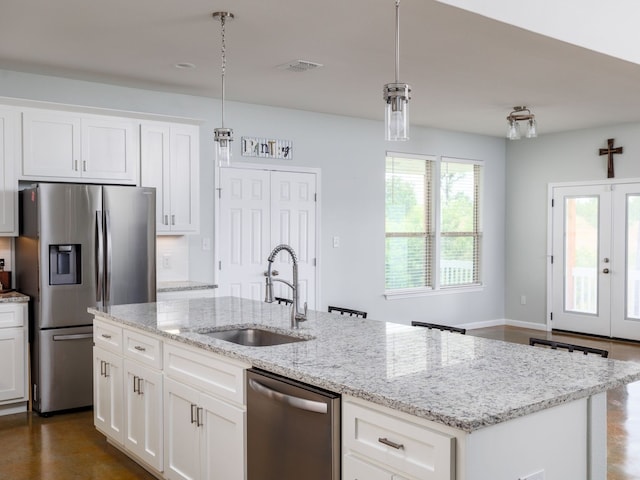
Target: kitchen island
column 465, row 408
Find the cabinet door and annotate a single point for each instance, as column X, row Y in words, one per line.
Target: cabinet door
column 50, row 144
column 354, row 468
column 222, row 449
column 108, row 412
column 181, row 431
column 109, row 149
column 143, row 412
column 8, row 176
column 184, row 191
column 12, row 364
column 155, row 169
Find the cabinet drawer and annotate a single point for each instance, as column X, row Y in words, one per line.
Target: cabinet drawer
column 143, row 348
column 209, row 372
column 12, row 316
column 407, row 448
column 107, row 336
column 354, row 468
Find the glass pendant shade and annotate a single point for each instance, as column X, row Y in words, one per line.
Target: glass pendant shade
column 223, row 138
column 514, row 130
column 396, row 115
column 532, row 129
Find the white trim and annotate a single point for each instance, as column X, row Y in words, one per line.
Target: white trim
column 470, row 161
column 414, row 156
column 498, row 322
column 427, row 292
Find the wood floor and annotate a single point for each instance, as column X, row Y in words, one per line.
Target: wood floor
column 67, row 446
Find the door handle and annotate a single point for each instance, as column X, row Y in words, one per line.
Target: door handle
column 296, row 402
column 73, row 336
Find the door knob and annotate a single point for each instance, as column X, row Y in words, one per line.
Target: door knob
column 606, row 270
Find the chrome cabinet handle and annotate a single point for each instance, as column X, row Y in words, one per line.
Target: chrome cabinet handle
column 199, row 417
column 140, row 383
column 84, row 165
column 140, row 349
column 173, row 219
column 75, row 165
column 389, row 443
column 104, row 335
column 166, row 220
column 103, row 368
column 135, row 390
column 194, row 407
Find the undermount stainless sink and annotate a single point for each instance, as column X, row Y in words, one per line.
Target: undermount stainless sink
column 253, row 337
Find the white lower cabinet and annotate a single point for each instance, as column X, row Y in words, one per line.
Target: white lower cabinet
column 204, row 437
column 178, row 411
column 143, row 413
column 107, row 393
column 205, row 416
column 380, row 445
column 13, row 357
column 354, row 468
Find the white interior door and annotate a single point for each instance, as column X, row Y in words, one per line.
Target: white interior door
column 260, row 209
column 596, row 266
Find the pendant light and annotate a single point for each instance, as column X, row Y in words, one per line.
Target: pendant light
column 397, row 95
column 223, row 136
column 521, row 114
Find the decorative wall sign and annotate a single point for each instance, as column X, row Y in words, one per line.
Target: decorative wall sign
column 267, row 148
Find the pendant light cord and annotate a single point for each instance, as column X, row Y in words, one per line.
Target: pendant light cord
column 397, row 41
column 224, row 60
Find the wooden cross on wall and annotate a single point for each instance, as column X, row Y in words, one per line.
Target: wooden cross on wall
column 610, row 151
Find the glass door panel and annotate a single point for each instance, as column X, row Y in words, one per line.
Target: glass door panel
column 581, row 247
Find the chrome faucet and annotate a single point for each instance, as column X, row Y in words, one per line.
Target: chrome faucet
column 296, row 315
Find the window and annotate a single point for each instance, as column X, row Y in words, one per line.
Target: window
column 433, row 232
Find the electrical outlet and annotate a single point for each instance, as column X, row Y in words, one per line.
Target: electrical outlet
column 166, row 261
column 1, row 263
column 523, row 299
column 206, row 243
column 336, row 242
column 534, row 476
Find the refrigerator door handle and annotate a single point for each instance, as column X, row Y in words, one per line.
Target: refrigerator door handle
column 73, row 336
column 107, row 228
column 99, row 256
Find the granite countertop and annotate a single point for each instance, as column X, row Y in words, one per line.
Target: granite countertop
column 13, row 297
column 457, row 380
column 182, row 286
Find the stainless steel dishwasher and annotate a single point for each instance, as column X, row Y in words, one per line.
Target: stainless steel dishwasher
column 293, row 429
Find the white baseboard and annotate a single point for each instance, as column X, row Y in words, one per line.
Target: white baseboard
column 503, row 321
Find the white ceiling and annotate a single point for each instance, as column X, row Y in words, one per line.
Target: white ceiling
column 466, row 71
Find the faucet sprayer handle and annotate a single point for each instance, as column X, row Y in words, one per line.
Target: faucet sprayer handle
column 268, row 292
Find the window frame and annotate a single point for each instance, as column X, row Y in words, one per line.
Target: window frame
column 435, row 206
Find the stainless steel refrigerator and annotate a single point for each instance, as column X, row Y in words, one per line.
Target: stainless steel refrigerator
column 80, row 246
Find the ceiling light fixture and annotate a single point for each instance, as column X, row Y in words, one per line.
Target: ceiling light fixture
column 517, row 115
column 223, row 136
column 397, row 95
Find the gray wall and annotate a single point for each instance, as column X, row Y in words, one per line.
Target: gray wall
column 350, row 153
column 531, row 166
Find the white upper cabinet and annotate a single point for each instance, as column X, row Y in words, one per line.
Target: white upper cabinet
column 9, row 148
column 170, row 162
column 66, row 146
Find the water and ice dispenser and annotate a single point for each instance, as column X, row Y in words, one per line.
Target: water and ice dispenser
column 64, row 264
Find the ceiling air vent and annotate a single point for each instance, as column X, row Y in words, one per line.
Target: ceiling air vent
column 299, row 66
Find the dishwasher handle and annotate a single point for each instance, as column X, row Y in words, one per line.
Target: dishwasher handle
column 296, row 402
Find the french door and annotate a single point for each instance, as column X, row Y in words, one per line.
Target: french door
column 596, row 259
column 260, row 209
